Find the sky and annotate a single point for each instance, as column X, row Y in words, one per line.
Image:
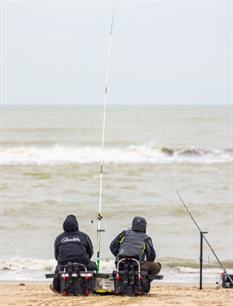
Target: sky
column 163, row 52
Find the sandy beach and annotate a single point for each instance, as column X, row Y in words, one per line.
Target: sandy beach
column 161, row 295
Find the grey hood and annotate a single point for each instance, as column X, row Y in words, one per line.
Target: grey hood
column 139, row 224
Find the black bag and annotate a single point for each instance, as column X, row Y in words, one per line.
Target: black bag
column 226, row 283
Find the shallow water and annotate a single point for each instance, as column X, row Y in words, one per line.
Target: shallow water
column 49, row 165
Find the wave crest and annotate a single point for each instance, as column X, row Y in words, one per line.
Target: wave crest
column 120, row 155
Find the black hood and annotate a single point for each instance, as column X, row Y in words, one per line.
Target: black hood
column 139, row 224
column 70, row 224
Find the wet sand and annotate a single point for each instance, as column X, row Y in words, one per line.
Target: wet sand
column 34, row 294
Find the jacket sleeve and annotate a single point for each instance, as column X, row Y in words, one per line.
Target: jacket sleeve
column 115, row 244
column 56, row 249
column 150, row 251
column 89, row 247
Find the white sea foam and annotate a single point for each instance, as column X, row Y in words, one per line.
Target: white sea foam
column 31, row 269
column 131, row 155
column 19, row 264
column 25, row 264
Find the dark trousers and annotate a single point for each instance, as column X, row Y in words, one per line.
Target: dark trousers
column 56, row 281
column 152, row 267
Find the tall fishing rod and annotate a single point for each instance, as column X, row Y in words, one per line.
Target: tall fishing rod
column 203, row 236
column 99, row 215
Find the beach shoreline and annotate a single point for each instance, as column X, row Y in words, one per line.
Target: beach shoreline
column 38, row 293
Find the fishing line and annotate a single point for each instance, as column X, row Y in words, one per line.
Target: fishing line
column 212, row 250
column 99, row 215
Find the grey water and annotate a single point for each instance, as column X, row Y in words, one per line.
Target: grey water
column 50, row 163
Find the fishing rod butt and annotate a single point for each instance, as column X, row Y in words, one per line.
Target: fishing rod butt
column 202, row 233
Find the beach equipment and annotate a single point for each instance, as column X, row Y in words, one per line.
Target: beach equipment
column 76, row 280
column 227, row 279
column 100, row 215
column 129, row 279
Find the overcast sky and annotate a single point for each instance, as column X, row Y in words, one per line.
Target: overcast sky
column 163, row 52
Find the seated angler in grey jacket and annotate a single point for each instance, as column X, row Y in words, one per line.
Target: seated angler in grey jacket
column 136, row 242
column 72, row 246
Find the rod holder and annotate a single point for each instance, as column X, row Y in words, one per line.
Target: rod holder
column 201, row 256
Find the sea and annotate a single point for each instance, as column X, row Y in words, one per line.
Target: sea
column 50, row 167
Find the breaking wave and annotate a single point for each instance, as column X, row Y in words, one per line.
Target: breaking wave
column 174, row 270
column 120, row 155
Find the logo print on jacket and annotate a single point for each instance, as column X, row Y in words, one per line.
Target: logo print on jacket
column 67, row 239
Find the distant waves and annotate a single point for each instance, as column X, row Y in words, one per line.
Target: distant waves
column 133, row 154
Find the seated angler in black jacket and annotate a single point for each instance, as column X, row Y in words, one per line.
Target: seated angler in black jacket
column 72, row 246
column 136, row 242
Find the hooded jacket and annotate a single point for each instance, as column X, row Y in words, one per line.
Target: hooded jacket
column 134, row 242
column 72, row 245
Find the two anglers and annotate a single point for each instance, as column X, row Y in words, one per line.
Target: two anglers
column 75, row 246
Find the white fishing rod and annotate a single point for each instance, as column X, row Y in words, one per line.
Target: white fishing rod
column 100, row 216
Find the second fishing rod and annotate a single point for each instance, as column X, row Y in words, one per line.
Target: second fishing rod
column 202, row 236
